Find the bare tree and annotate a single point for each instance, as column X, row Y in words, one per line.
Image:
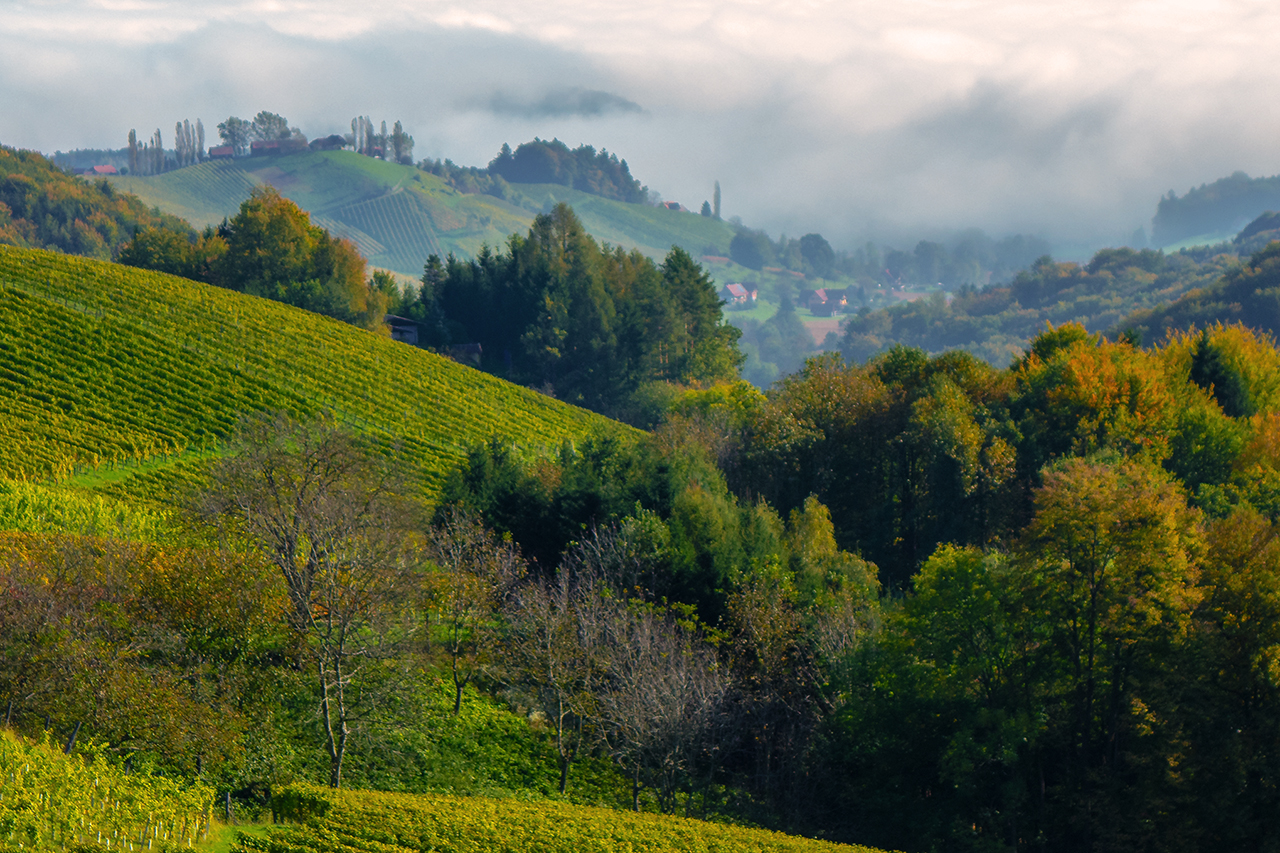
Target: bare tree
column 556, row 655
column 329, row 515
column 474, row 571
column 628, row 558
column 660, row 701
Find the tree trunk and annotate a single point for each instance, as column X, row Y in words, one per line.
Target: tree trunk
column 335, row 741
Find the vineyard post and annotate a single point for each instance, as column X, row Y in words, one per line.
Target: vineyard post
column 71, row 741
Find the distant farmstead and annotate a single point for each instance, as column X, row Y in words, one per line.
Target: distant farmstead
column 263, row 147
column 222, row 152
column 825, row 302
column 737, row 294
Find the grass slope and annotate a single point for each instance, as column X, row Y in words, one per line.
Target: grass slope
column 114, row 374
column 369, row 822
column 398, row 215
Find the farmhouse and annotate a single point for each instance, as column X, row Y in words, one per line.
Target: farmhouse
column 825, row 302
column 738, row 295
column 222, row 152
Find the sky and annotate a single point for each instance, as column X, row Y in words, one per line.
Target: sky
column 891, row 120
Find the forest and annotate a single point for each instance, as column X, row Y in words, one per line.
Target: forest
column 592, row 325
column 1031, row 608
column 271, row 249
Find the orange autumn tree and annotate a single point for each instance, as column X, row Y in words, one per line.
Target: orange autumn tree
column 1078, row 394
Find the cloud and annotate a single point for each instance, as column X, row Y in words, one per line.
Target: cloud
column 853, row 118
column 587, row 103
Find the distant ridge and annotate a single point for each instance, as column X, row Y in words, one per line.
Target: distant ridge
column 1213, row 211
column 398, row 215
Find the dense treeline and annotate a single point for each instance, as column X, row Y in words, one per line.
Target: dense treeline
column 583, row 168
column 43, row 207
column 590, row 324
column 270, row 249
column 996, row 322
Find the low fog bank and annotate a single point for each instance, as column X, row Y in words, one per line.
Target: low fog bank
column 858, row 123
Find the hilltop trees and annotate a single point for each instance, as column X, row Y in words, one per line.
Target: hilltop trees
column 188, row 142
column 401, row 145
column 237, row 133
column 267, row 126
column 542, row 162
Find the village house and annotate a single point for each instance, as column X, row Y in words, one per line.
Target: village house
column 825, row 302
column 737, row 295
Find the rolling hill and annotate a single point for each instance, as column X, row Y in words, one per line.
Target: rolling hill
column 119, row 380
column 398, row 215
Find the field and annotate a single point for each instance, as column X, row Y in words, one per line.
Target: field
column 118, row 380
column 369, row 822
column 398, row 215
